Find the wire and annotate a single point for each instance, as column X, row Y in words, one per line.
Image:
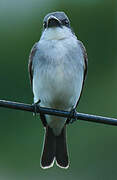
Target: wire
column 55, row 112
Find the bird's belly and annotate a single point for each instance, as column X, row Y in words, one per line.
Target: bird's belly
column 58, row 87
column 55, row 91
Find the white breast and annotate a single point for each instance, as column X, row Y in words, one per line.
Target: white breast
column 58, row 76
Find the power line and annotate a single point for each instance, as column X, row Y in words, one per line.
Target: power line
column 50, row 111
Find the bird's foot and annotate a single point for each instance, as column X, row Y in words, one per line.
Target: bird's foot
column 36, row 107
column 71, row 117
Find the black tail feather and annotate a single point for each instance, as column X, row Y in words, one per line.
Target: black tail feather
column 61, row 150
column 49, row 149
column 55, row 147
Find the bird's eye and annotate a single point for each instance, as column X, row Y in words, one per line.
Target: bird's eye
column 65, row 22
column 44, row 24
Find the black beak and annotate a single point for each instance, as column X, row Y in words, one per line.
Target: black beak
column 53, row 22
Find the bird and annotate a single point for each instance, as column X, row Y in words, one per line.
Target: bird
column 57, row 70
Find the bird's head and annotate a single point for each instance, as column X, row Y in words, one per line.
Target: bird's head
column 56, row 25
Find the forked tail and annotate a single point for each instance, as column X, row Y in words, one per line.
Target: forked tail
column 55, row 148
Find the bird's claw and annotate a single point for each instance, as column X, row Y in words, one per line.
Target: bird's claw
column 72, row 117
column 36, row 107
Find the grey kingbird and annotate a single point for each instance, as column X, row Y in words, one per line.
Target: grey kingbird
column 57, row 68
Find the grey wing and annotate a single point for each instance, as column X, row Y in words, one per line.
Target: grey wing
column 85, row 59
column 30, row 63
column 30, row 69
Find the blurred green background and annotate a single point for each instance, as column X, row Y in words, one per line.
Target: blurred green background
column 92, row 147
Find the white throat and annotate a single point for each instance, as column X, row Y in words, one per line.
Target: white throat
column 56, row 33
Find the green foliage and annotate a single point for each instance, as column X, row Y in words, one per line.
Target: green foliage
column 92, row 147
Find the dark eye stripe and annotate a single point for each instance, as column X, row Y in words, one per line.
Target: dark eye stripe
column 65, row 22
column 44, row 24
